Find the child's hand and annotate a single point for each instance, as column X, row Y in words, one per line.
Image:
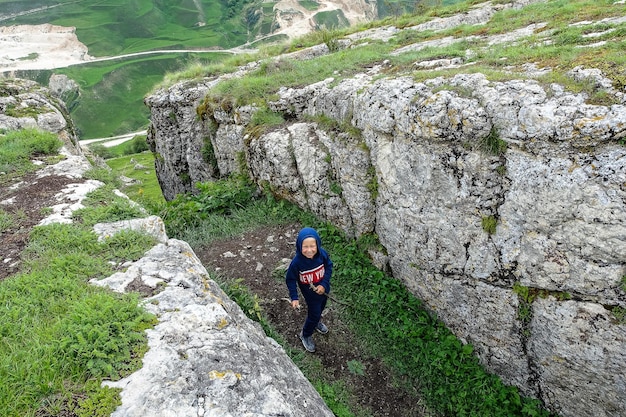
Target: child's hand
column 320, row 290
column 295, row 304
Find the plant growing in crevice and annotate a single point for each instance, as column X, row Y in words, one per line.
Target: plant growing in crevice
column 262, row 121
column 212, row 103
column 461, row 91
column 492, row 144
column 372, row 184
column 370, row 241
column 242, row 164
column 329, row 124
column 335, row 188
column 208, row 152
column 620, row 314
column 489, row 224
column 185, row 178
column 526, row 296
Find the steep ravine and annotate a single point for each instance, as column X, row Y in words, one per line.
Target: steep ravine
column 536, row 292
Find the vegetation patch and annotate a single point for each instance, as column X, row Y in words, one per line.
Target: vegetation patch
column 10, row 220
column 18, row 147
column 222, row 197
column 620, row 314
column 390, row 322
column 492, row 143
column 333, row 19
column 144, row 187
column 75, row 332
column 489, row 224
column 309, row 4
column 264, row 120
column 103, row 208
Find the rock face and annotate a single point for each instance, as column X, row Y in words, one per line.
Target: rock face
column 26, row 104
column 521, row 252
column 32, row 47
column 205, row 356
column 293, row 19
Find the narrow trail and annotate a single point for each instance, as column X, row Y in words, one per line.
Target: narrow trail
column 258, row 259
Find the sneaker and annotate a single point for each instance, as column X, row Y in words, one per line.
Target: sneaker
column 321, row 327
column 307, row 342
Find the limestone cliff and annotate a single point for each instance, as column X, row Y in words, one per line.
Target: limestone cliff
column 501, row 204
column 205, row 356
column 26, row 104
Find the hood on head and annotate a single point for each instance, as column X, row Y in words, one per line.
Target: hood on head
column 305, row 233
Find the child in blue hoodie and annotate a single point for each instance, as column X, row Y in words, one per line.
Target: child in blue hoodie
column 310, row 270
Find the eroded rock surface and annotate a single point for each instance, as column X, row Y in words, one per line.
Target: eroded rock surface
column 419, row 175
column 205, row 357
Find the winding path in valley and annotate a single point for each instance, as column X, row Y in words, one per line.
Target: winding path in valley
column 47, row 47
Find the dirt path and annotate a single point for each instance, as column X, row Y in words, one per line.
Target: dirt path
column 259, row 258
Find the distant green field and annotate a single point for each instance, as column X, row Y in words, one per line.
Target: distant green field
column 114, row 27
column 112, row 92
column 333, row 19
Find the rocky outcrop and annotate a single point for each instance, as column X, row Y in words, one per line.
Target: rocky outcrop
column 26, row 104
column 205, row 357
column 294, row 19
column 500, row 204
column 37, row 47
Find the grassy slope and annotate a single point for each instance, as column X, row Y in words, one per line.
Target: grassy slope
column 112, row 95
column 61, row 336
column 560, row 46
column 147, row 191
column 113, row 92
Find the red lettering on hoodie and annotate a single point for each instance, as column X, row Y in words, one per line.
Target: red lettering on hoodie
column 312, row 276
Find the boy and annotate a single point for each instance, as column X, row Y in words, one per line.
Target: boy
column 310, row 270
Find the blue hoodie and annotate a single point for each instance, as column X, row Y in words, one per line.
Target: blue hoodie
column 304, row 270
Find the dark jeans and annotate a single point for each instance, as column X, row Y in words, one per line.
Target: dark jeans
column 315, row 305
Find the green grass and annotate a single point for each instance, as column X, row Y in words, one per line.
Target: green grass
column 17, row 147
column 261, row 85
column 147, row 191
column 416, row 346
column 331, row 20
column 10, row 220
column 106, row 207
column 61, row 336
column 309, row 4
column 59, row 332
